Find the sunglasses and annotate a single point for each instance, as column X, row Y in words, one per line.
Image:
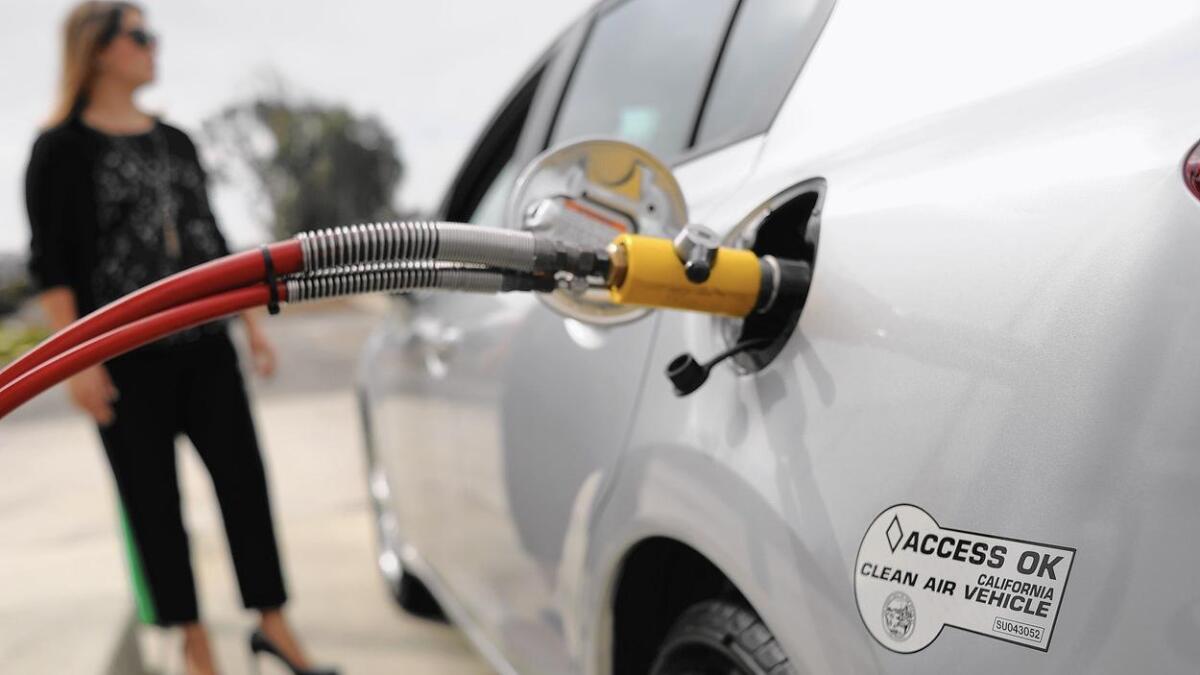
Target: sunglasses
column 141, row 37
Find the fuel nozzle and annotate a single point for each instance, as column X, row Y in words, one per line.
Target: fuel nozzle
column 693, row 272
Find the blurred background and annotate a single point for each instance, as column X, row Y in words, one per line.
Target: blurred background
column 389, row 93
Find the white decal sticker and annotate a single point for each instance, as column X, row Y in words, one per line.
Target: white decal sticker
column 912, row 577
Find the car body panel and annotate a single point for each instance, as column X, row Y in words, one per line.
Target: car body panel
column 999, row 331
column 514, row 421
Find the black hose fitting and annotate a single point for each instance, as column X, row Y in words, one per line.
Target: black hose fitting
column 552, row 255
column 538, row 283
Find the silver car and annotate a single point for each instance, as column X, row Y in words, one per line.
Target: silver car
column 989, row 399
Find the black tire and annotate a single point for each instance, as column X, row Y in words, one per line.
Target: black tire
column 720, row 637
column 414, row 597
column 409, row 592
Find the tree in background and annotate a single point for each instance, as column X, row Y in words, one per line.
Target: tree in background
column 17, row 334
column 315, row 165
column 14, row 282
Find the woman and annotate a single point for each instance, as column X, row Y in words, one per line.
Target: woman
column 117, row 199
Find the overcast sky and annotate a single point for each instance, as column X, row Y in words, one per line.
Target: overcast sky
column 433, row 71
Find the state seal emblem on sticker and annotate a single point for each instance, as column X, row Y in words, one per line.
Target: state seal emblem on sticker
column 914, row 577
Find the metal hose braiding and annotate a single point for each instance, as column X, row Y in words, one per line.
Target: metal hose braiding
column 494, row 247
column 366, row 243
column 391, row 279
column 416, row 241
column 385, row 266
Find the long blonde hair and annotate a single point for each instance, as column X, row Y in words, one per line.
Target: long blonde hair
column 87, row 30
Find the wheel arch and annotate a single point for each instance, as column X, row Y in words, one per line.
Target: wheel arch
column 657, row 579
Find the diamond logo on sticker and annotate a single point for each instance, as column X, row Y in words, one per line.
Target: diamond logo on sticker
column 895, row 533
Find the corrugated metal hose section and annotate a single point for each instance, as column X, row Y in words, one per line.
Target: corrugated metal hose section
column 417, row 241
column 393, row 279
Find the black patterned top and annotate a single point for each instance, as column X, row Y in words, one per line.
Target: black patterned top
column 111, row 214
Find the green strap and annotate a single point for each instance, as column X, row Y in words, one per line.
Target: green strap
column 141, row 589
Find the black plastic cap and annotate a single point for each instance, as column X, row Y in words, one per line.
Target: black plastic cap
column 697, row 271
column 686, row 374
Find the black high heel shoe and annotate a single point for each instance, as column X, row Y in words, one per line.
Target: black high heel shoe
column 260, row 643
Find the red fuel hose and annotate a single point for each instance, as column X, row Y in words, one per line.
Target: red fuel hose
column 224, row 274
column 74, row 358
column 336, row 248
column 357, row 259
column 119, row 340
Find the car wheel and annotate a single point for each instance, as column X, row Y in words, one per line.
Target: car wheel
column 414, row 597
column 720, row 637
column 409, row 592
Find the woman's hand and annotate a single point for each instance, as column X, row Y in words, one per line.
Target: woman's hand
column 262, row 353
column 93, row 392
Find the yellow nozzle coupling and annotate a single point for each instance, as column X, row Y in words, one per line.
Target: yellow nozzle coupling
column 647, row 271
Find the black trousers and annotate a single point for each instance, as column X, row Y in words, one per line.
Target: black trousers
column 198, row 390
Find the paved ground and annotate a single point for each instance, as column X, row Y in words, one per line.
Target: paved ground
column 62, row 575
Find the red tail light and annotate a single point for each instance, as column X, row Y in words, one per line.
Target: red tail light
column 1191, row 170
